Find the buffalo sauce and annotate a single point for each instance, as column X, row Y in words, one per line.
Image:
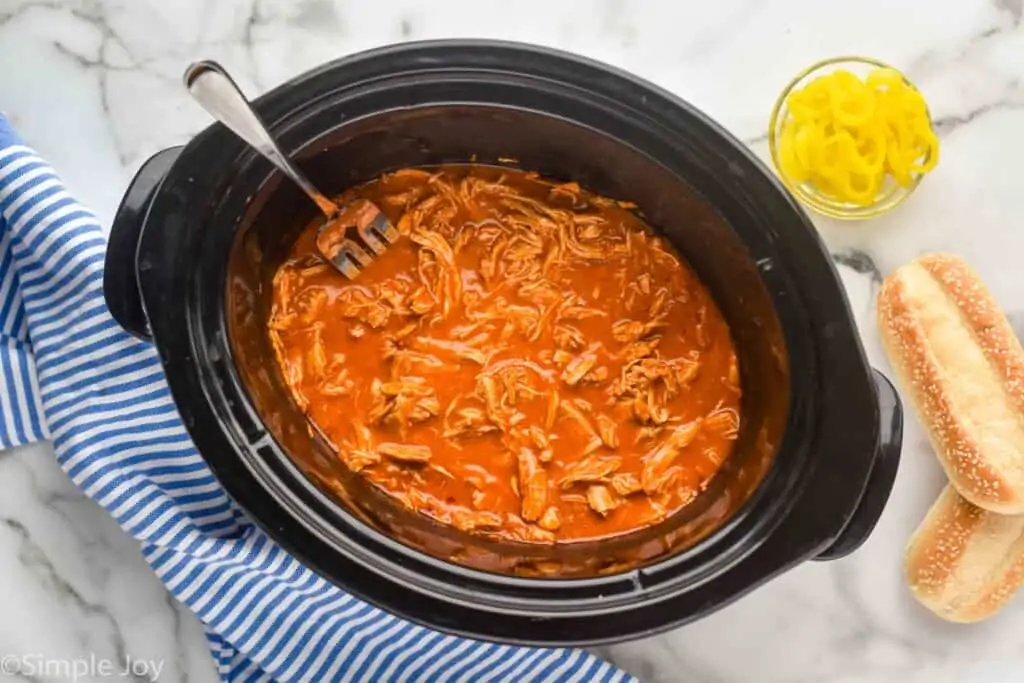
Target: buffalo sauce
column 528, row 361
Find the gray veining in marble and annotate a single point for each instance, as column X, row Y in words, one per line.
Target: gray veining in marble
column 94, row 85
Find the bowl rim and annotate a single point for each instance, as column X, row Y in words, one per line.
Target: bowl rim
column 830, row 208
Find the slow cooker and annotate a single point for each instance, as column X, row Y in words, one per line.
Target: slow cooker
column 203, row 227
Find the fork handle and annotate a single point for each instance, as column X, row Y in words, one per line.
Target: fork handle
column 213, row 88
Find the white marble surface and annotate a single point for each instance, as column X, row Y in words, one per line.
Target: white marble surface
column 94, row 86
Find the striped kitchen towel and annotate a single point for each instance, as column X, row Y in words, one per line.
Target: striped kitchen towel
column 69, row 373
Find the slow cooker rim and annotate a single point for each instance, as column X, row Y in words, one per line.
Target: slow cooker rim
column 367, row 532
column 384, row 49
column 711, row 546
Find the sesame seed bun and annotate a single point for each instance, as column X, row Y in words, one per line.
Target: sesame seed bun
column 965, row 563
column 960, row 365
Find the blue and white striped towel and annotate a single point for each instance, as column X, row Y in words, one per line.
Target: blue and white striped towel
column 68, row 372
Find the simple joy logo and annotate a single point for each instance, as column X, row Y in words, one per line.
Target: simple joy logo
column 36, row 666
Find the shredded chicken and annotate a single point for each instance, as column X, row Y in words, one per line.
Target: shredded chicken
column 725, row 421
column 459, row 350
column 363, row 304
column 657, row 473
column 316, row 356
column 361, row 454
column 578, row 368
column 404, row 452
column 551, row 414
column 629, row 331
column 533, row 485
column 550, row 520
column 461, row 518
column 601, row 499
column 534, row 437
column 569, row 338
column 626, row 484
column 733, row 378
column 608, row 431
column 648, row 384
column 471, row 520
column 573, row 498
column 403, row 402
column 303, row 310
column 575, row 414
column 591, row 469
column 468, row 422
column 527, row 361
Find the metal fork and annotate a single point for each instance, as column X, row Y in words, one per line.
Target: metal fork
column 213, row 88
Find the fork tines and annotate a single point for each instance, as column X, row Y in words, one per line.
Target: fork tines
column 373, row 233
column 349, row 258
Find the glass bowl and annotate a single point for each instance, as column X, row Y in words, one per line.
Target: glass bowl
column 891, row 192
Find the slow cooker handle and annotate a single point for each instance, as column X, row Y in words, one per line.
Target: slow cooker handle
column 120, row 275
column 882, row 476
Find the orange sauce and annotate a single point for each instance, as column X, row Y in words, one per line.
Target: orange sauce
column 529, row 360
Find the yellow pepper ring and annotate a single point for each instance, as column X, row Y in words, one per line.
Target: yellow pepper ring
column 844, row 135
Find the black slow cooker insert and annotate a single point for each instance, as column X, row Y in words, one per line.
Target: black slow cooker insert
column 202, row 229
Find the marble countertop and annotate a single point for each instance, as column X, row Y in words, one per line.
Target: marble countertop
column 94, row 86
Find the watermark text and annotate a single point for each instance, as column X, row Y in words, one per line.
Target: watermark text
column 79, row 668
